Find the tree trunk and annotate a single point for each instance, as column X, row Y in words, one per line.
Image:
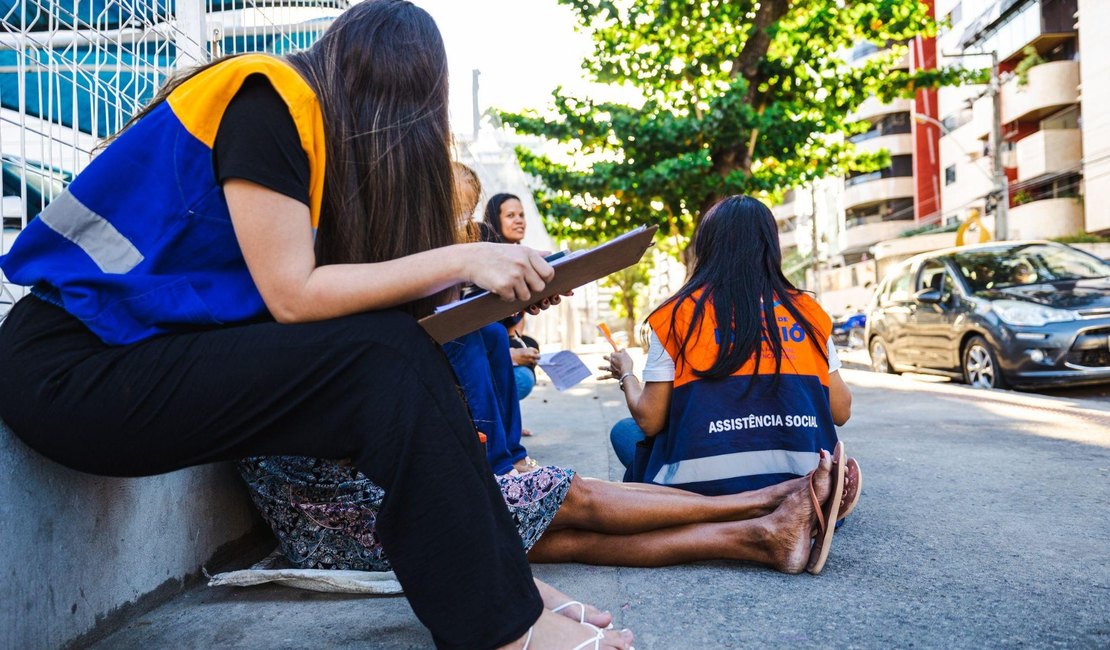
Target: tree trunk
column 630, row 312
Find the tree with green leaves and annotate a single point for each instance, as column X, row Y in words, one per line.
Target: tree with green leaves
column 739, row 96
column 630, row 292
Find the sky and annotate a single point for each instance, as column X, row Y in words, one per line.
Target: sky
column 524, row 49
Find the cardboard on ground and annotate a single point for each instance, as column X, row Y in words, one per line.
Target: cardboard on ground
column 572, row 271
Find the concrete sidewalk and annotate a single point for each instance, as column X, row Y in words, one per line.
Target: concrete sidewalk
column 983, row 522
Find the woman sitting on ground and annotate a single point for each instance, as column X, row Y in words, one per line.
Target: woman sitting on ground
column 323, row 514
column 482, row 363
column 741, row 386
column 504, row 218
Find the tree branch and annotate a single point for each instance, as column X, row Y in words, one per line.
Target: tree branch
column 746, row 63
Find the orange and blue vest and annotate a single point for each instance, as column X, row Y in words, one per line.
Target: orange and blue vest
column 141, row 242
column 749, row 430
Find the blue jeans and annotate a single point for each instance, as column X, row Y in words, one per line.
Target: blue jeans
column 485, row 372
column 624, row 436
column 525, row 381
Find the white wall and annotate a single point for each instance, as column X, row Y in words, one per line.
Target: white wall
column 1094, row 16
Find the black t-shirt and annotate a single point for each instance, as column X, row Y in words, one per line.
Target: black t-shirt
column 258, row 141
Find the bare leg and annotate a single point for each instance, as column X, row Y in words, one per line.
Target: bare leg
column 625, row 508
column 780, row 540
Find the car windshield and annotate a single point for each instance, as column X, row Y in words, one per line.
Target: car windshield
column 998, row 268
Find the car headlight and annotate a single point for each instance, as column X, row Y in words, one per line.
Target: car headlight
column 1017, row 312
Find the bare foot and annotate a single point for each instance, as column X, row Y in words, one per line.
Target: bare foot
column 554, row 632
column 581, row 612
column 774, row 495
column 526, row 464
column 789, row 527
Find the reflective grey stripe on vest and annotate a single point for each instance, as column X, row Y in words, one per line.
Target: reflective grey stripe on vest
column 100, row 240
column 741, row 463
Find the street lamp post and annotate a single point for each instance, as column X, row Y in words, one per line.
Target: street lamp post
column 1001, row 183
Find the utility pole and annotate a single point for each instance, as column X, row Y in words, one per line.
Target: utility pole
column 474, row 101
column 816, row 260
column 1001, row 188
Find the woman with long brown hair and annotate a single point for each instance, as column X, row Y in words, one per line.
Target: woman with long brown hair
column 237, row 273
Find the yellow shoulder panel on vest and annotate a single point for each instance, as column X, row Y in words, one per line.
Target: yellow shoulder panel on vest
column 200, row 102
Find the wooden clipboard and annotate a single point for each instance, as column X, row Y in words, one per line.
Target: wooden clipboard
column 579, row 268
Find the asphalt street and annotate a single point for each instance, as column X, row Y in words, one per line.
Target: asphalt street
column 983, row 523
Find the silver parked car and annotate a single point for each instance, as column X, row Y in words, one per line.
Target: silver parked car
column 1021, row 314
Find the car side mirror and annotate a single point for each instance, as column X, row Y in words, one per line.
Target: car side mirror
column 927, row 297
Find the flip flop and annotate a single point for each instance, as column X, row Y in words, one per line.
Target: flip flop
column 853, row 485
column 823, row 542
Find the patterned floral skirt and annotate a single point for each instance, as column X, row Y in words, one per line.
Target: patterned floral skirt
column 324, row 513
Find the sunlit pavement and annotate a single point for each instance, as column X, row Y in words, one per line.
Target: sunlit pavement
column 983, row 523
column 859, row 360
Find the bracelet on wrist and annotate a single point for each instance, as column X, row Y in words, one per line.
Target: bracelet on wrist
column 620, row 382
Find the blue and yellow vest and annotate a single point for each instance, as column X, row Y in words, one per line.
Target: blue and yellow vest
column 723, row 438
column 141, row 243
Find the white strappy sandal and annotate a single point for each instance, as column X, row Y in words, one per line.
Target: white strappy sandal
column 594, row 643
column 581, row 613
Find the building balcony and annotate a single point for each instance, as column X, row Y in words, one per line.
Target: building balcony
column 1046, row 219
column 1050, row 87
column 872, row 108
column 786, row 210
column 896, row 144
column 879, row 189
column 788, row 239
column 982, row 115
column 867, row 234
column 1049, row 151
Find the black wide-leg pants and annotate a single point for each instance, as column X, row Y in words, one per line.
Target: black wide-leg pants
column 372, row 387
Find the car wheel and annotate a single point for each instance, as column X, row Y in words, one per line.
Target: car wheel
column 980, row 365
column 855, row 338
column 880, row 361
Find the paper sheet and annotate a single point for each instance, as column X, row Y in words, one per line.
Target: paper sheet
column 564, row 368
column 275, row 569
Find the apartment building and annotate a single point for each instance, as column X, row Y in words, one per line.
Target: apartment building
column 838, row 221
column 1053, row 83
column 1037, row 46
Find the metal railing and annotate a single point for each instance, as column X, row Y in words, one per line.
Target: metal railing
column 72, row 72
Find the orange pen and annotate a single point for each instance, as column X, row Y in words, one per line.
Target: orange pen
column 604, row 329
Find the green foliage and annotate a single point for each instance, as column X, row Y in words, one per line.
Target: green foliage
column 794, row 266
column 630, row 297
column 930, row 229
column 740, row 96
column 1082, row 238
column 1031, row 60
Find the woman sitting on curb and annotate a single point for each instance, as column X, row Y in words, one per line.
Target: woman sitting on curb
column 239, row 272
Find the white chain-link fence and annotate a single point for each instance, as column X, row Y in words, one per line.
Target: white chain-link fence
column 72, row 72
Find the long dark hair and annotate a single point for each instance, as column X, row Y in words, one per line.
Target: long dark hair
column 738, row 271
column 380, row 75
column 493, row 212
